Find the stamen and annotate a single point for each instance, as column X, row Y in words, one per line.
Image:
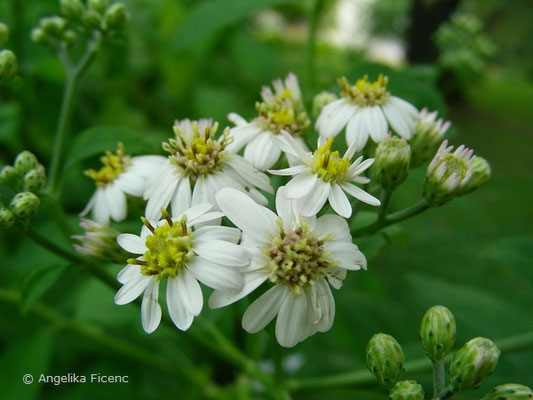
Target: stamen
column 134, row 261
column 147, row 224
column 167, row 217
column 364, row 92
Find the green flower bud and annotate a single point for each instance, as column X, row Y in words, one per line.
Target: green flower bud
column 10, row 176
column 92, row 20
column 509, row 391
column 473, row 363
column 437, row 332
column 447, row 174
column 26, row 161
column 70, row 36
column 321, row 100
column 4, row 34
column 391, row 162
column 98, row 5
column 7, row 219
column 53, row 26
column 407, row 390
column 385, row 359
column 38, row 36
column 480, row 175
column 8, row 66
column 425, row 140
column 99, row 241
column 72, row 9
column 24, row 205
column 34, row 180
column 115, row 17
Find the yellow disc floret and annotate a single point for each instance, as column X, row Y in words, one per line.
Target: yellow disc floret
column 114, row 165
column 169, row 249
column 328, row 165
column 198, row 152
column 364, row 92
column 281, row 112
column 296, row 257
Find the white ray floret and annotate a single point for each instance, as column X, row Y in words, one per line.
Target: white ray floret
column 324, row 176
column 198, row 166
column 302, row 257
column 281, row 109
column 121, row 175
column 177, row 250
column 366, row 109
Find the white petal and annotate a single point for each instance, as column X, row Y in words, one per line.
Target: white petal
column 326, row 304
column 289, row 171
column 222, row 298
column 312, row 203
column 127, row 273
column 339, row 202
column 225, row 233
column 396, row 120
column 150, row 308
column 334, row 117
column 132, row 243
column 190, row 292
column 178, row 313
column 259, row 222
column 237, row 119
column 407, row 108
column 264, row 309
column 335, row 276
column 356, row 133
column 221, row 252
column 262, row 152
column 360, row 194
column 347, row 254
column 89, row 205
column 245, row 170
column 292, row 320
column 181, row 200
column 376, row 123
column 161, row 197
column 300, row 185
column 100, row 209
column 132, row 289
column 215, row 275
column 285, row 208
column 131, row 183
column 242, row 135
column 330, row 223
column 200, row 193
column 116, row 202
column 195, row 211
column 291, row 146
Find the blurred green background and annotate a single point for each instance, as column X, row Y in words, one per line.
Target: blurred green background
column 471, row 60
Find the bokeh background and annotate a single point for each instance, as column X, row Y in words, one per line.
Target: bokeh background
column 472, row 60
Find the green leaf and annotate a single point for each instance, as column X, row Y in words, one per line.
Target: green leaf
column 97, row 140
column 27, row 355
column 38, row 282
column 210, row 16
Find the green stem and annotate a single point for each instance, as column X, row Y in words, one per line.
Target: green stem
column 444, row 394
column 391, row 219
column 362, row 377
column 439, row 377
column 74, row 74
column 385, row 200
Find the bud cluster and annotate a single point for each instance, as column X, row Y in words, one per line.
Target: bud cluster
column 8, row 60
column 429, row 132
column 25, row 179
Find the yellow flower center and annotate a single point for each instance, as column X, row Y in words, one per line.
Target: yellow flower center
column 296, row 258
column 201, row 154
column 329, row 166
column 169, row 249
column 365, row 93
column 283, row 113
column 114, row 165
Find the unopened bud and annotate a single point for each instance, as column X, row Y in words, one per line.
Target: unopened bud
column 92, row 19
column 426, row 137
column 38, row 36
column 116, row 16
column 8, row 66
column 98, row 5
column 321, row 100
column 99, row 241
column 72, row 9
column 25, row 161
column 70, row 36
column 4, row 34
column 437, row 332
column 10, row 176
column 447, row 174
column 24, row 205
column 53, row 26
column 7, row 219
column 510, row 391
column 392, row 162
column 385, row 359
column 473, row 363
column 34, row 180
column 481, row 173
column 407, row 390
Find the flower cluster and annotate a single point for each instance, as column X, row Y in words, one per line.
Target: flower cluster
column 207, row 220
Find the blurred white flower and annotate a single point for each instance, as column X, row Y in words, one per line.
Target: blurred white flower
column 99, row 241
column 324, row 176
column 366, row 109
column 280, row 110
column 299, row 255
column 428, row 133
column 120, row 175
column 198, row 166
column 171, row 249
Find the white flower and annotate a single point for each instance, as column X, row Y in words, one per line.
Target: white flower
column 428, row 133
column 366, row 109
column 324, row 175
column 280, row 110
column 171, row 249
column 299, row 255
column 198, row 166
column 120, row 175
